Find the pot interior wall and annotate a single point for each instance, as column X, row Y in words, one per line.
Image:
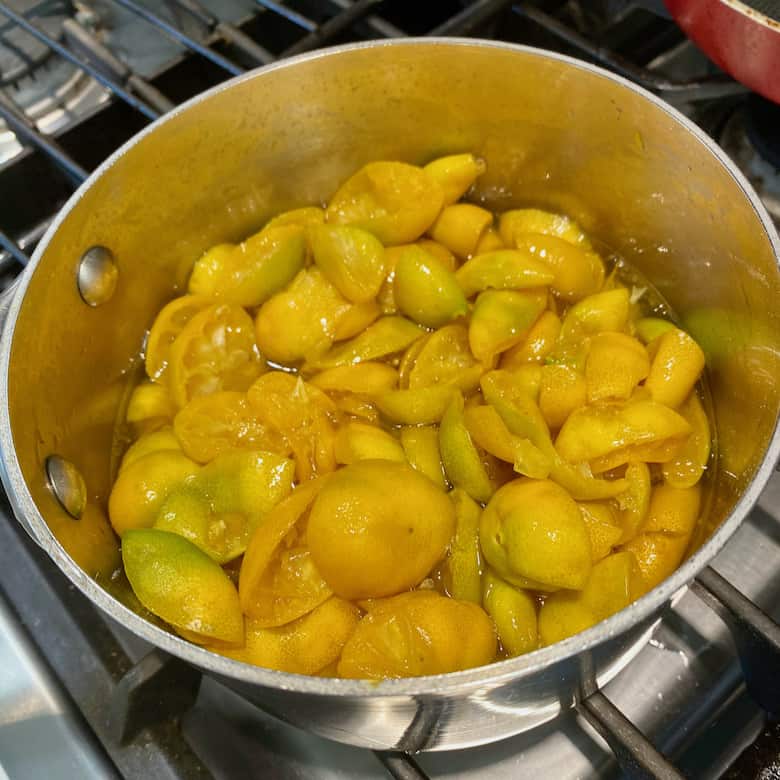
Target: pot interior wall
column 553, row 134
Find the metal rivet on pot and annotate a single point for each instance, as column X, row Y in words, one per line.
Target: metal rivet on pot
column 97, row 275
column 67, row 484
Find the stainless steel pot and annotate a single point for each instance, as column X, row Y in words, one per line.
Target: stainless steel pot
column 555, row 132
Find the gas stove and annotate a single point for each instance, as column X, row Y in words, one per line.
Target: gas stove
column 79, row 696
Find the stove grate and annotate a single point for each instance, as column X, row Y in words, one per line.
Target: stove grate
column 64, row 52
column 25, row 129
column 13, row 249
column 705, row 88
column 177, row 35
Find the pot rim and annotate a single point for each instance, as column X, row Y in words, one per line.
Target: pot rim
column 444, row 684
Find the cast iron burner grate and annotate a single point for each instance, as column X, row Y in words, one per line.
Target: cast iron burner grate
column 20, row 53
column 148, row 696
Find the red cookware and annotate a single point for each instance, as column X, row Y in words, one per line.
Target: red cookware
column 743, row 38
